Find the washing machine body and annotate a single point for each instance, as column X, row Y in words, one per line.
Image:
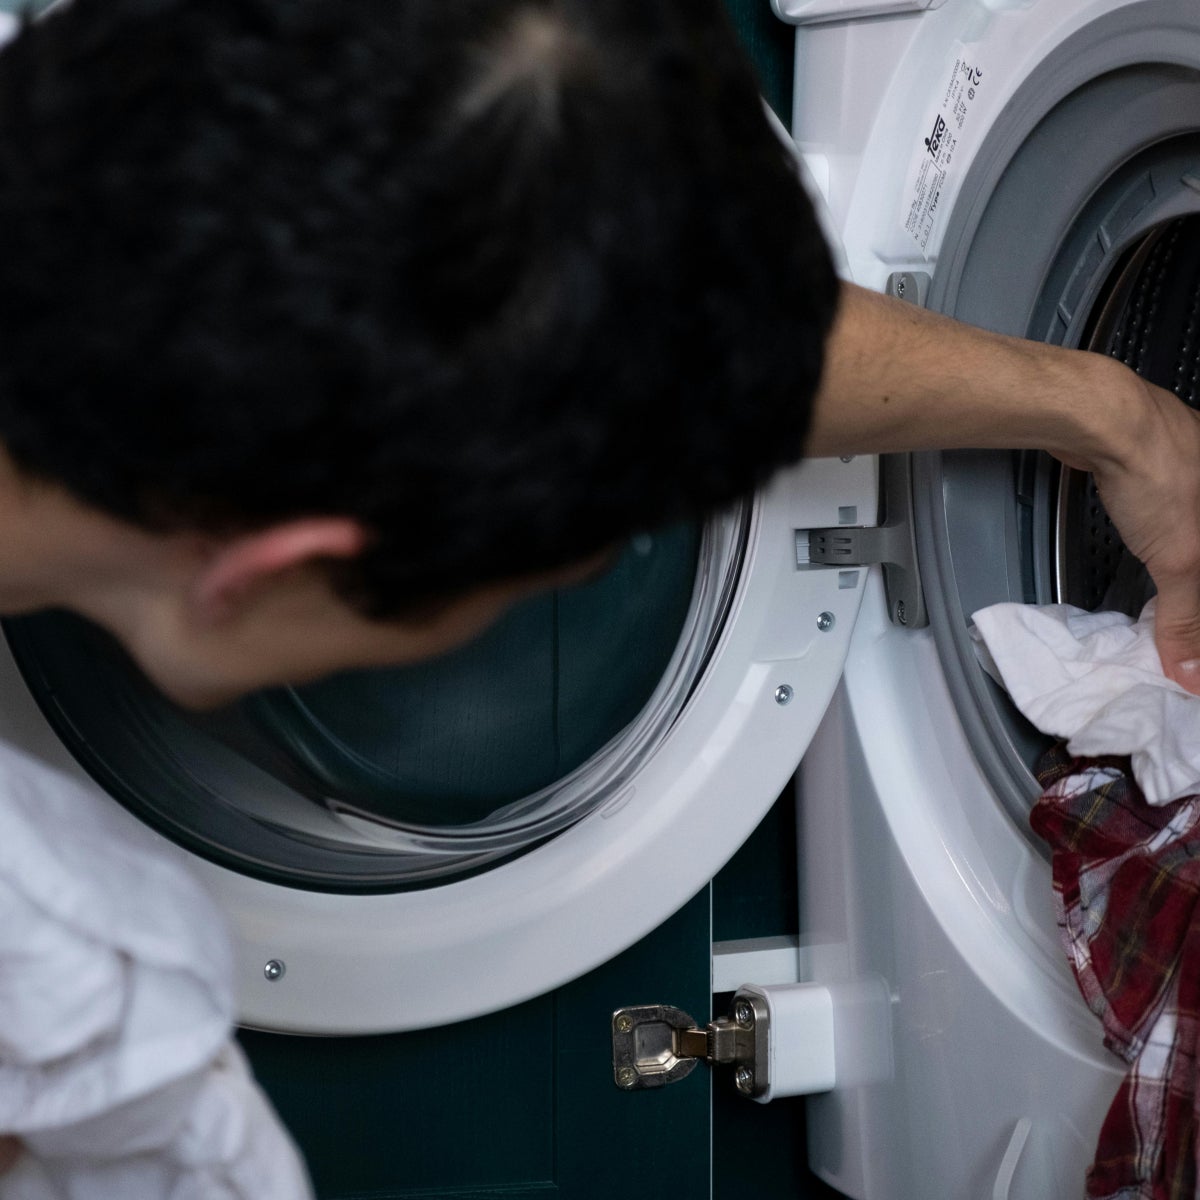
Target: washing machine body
column 1017, row 165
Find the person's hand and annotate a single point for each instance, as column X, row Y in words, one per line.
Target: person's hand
column 1152, row 493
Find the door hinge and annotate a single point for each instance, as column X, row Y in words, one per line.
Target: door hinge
column 779, row 1040
column 655, row 1044
column 892, row 544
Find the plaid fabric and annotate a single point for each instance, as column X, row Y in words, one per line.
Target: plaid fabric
column 1126, row 885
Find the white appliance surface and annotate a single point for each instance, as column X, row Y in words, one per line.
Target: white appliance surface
column 913, row 875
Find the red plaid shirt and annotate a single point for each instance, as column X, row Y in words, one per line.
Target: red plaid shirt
column 1126, row 884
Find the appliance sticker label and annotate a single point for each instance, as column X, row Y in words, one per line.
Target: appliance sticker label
column 942, row 132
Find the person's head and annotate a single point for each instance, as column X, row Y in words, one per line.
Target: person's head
column 453, row 293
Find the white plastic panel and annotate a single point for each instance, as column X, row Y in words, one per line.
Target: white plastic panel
column 812, row 12
column 913, row 874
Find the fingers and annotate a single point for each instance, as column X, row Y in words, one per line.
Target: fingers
column 1177, row 632
column 1150, row 486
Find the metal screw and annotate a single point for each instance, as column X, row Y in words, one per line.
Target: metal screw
column 901, row 612
column 275, row 970
column 624, row 1023
column 743, row 1014
column 901, row 287
column 826, row 621
column 626, row 1077
column 744, row 1078
column 847, row 458
column 783, row 694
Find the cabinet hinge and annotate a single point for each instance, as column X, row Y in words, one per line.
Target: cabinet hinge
column 655, row 1044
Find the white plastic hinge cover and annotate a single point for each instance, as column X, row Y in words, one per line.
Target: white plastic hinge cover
column 825, row 1036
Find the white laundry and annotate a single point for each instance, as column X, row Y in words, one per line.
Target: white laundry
column 117, row 1070
column 1095, row 678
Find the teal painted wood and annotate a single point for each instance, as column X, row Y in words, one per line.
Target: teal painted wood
column 757, row 894
column 636, row 1144
column 533, row 1191
column 770, row 44
column 520, row 1103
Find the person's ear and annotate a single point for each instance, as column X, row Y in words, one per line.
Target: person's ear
column 239, row 567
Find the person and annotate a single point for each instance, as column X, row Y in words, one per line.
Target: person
column 333, row 329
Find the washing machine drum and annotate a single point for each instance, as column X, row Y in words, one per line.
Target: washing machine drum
column 385, row 779
column 1149, row 318
column 1021, row 527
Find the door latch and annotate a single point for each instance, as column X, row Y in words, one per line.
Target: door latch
column 655, row 1044
column 892, row 544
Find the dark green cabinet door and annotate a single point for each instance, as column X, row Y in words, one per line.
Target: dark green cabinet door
column 522, row 1104
column 517, row 1104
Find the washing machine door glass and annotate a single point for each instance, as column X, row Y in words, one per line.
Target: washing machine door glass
column 378, row 780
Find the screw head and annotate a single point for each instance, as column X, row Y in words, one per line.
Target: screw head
column 275, row 970
column 624, row 1023
column 626, row 1077
column 826, row 621
column 744, row 1079
column 743, row 1014
column 783, row 693
column 901, row 287
column 847, row 458
column 901, row 613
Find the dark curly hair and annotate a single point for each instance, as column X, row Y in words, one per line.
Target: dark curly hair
column 507, row 280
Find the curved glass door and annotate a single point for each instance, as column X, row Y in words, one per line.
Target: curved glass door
column 382, row 780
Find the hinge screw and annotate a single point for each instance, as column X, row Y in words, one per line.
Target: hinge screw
column 626, row 1077
column 624, row 1023
column 743, row 1014
column 901, row 613
column 744, row 1078
column 826, row 621
column 783, row 694
column 274, row 970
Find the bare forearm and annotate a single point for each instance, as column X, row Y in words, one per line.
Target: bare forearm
column 900, row 378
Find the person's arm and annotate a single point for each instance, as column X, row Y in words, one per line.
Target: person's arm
column 900, row 378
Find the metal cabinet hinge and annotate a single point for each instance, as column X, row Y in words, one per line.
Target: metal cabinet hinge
column 655, row 1044
column 892, row 544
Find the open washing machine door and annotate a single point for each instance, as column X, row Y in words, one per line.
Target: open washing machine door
column 451, row 831
column 1028, row 166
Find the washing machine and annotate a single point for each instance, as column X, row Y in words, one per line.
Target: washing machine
column 1028, row 166
column 430, row 854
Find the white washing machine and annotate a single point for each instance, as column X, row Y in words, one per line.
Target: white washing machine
column 1029, row 166
column 1023, row 164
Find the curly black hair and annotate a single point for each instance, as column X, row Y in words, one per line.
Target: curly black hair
column 506, row 280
